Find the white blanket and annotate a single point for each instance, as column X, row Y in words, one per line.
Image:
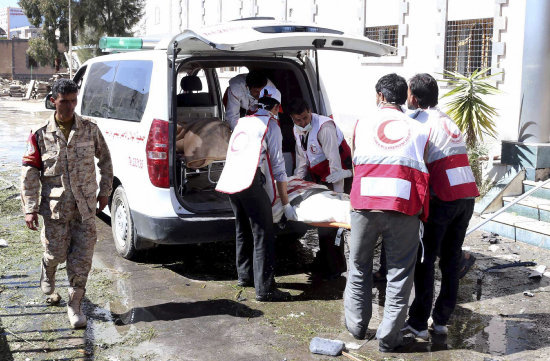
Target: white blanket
column 314, row 203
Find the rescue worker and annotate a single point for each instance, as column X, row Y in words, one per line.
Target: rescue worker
column 241, row 97
column 254, row 172
column 452, row 197
column 323, row 153
column 60, row 161
column 389, row 194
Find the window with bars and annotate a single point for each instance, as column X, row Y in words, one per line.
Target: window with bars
column 384, row 34
column 468, row 45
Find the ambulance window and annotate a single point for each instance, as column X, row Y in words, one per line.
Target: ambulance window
column 131, row 89
column 204, row 81
column 95, row 100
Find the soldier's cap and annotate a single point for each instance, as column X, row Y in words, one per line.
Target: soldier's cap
column 270, row 92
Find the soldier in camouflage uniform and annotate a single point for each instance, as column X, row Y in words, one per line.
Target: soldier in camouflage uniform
column 58, row 168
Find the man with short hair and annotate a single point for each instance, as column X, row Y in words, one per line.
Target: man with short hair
column 323, row 153
column 253, row 176
column 452, row 197
column 389, row 196
column 58, row 181
column 242, row 95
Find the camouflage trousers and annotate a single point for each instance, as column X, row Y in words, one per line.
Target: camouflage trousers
column 70, row 239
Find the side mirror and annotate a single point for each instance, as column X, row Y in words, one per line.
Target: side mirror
column 47, row 103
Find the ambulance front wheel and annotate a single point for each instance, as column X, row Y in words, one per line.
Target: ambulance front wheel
column 122, row 224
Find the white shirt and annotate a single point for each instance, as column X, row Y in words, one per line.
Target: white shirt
column 274, row 139
column 238, row 97
column 329, row 143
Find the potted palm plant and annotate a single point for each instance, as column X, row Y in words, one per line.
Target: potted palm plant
column 471, row 113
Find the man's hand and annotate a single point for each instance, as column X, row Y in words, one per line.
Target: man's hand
column 339, row 175
column 103, row 201
column 290, row 213
column 31, row 219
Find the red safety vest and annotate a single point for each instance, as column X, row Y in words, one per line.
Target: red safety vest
column 389, row 168
column 318, row 162
column 451, row 177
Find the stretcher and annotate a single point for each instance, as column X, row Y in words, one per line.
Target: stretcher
column 330, row 225
column 315, row 205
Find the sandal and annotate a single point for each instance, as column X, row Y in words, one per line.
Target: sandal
column 465, row 264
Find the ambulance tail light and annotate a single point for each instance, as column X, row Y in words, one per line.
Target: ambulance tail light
column 157, row 154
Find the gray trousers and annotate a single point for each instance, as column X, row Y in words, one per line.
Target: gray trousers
column 401, row 239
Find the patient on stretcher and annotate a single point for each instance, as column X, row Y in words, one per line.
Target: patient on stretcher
column 315, row 204
column 202, row 141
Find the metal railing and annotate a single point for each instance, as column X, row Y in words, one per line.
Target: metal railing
column 523, row 196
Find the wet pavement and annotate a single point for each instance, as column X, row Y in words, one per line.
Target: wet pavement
column 17, row 119
column 182, row 302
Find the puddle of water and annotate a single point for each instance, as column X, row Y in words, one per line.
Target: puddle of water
column 16, row 125
column 494, row 335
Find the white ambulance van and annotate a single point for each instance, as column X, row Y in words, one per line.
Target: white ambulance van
column 135, row 96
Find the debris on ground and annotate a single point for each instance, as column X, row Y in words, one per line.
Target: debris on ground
column 35, row 89
column 528, row 294
column 538, row 272
column 3, row 242
column 492, row 238
column 493, row 248
column 53, row 299
column 325, row 346
column 17, row 90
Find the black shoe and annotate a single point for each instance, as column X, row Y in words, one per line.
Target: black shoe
column 406, row 341
column 465, row 264
column 245, row 283
column 275, row 295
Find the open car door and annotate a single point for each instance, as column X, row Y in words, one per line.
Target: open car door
column 270, row 36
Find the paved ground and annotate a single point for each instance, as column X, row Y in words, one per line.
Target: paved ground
column 182, row 303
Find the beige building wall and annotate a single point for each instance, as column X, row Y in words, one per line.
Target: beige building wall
column 13, row 62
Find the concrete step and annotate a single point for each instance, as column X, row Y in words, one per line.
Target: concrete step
column 532, row 207
column 519, row 228
column 544, row 192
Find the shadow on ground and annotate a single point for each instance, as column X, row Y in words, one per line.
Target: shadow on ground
column 178, row 310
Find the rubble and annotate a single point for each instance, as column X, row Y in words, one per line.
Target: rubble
column 493, row 248
column 35, row 89
column 492, row 238
column 538, row 272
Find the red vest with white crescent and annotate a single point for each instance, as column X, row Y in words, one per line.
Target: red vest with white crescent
column 451, row 177
column 243, row 157
column 389, row 168
column 318, row 162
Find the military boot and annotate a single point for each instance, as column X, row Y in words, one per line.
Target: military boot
column 47, row 278
column 74, row 309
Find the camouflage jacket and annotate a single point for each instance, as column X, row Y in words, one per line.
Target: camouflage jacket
column 65, row 169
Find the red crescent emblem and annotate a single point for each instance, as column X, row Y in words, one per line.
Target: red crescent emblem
column 452, row 135
column 239, row 142
column 382, row 135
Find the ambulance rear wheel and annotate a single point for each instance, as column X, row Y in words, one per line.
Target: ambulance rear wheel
column 122, row 224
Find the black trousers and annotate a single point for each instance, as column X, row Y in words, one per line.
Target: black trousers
column 255, row 240
column 330, row 259
column 444, row 234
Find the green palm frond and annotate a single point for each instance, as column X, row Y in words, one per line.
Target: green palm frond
column 467, row 108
